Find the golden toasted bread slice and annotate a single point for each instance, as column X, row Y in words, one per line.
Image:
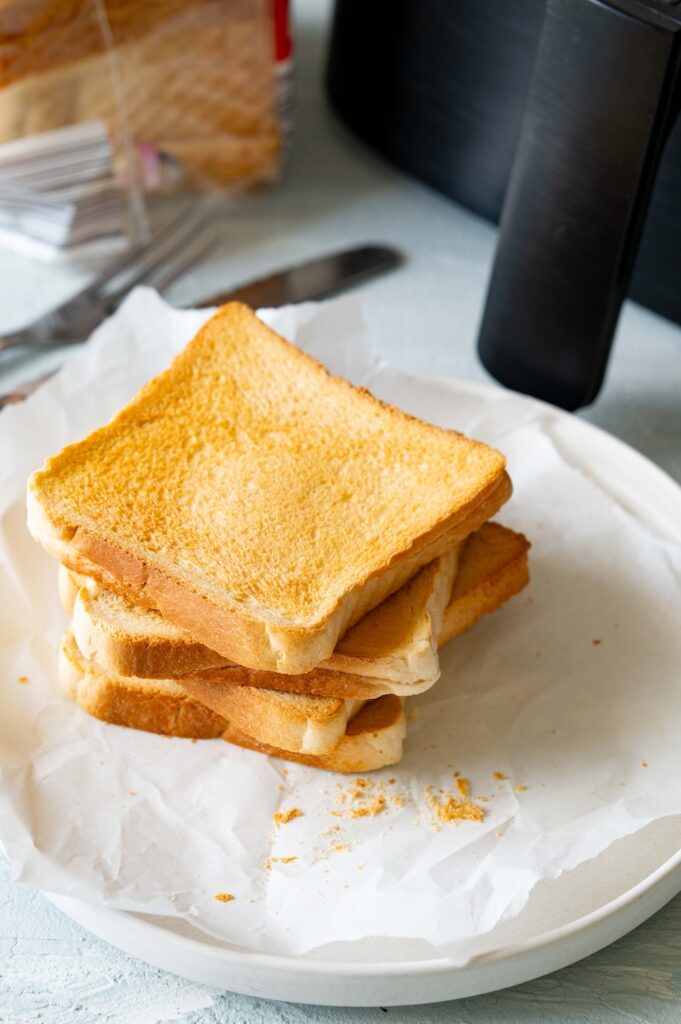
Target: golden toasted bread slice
column 397, row 640
column 258, row 502
column 292, row 721
column 373, row 739
column 492, row 568
column 153, row 705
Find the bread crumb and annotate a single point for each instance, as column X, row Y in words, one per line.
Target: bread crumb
column 23, row 679
column 462, row 786
column 224, row 897
column 282, row 860
column 596, row 642
column 366, row 797
column 521, row 789
column 644, row 764
column 391, row 782
column 283, row 817
column 499, row 776
column 369, row 810
column 397, row 799
column 456, row 774
column 450, row 809
column 131, row 792
column 340, row 847
column 328, row 831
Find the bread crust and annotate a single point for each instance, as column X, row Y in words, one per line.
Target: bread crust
column 495, row 569
column 374, row 739
column 141, row 656
column 121, row 702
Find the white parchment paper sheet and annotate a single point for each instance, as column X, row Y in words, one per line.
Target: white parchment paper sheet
column 572, row 692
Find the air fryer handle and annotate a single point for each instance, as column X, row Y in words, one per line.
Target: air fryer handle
column 602, row 100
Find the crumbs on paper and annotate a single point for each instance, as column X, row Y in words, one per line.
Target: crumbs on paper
column 283, row 817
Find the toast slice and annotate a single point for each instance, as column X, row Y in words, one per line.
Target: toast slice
column 492, row 568
column 374, row 739
column 293, row 722
column 153, row 705
column 396, row 640
column 258, row 502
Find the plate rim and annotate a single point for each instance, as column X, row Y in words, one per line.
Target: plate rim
column 387, row 969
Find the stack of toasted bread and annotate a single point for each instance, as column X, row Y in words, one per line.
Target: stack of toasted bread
column 257, row 550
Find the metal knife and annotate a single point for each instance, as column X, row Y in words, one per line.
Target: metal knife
column 316, row 279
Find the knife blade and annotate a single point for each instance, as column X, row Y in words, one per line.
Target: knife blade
column 316, row 279
column 313, row 280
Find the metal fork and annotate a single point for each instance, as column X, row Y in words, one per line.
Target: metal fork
column 180, row 243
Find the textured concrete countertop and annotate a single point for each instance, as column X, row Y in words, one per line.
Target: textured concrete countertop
column 423, row 317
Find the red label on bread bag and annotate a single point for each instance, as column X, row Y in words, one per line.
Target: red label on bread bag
column 283, row 46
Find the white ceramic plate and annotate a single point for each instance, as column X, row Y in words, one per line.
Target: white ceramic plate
column 564, row 920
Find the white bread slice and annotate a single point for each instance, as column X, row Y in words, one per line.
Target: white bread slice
column 129, row 640
column 374, row 739
column 292, row 721
column 396, row 640
column 492, row 568
column 258, row 502
column 153, row 705
column 371, row 740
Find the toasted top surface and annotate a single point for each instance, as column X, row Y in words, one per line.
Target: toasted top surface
column 259, row 480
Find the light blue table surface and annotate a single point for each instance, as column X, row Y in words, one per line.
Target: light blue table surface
column 423, row 317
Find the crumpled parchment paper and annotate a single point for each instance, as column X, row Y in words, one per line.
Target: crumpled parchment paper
column 561, row 711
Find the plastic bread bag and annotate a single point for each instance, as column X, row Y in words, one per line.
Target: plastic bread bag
column 108, row 100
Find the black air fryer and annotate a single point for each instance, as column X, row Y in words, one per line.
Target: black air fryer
column 554, row 117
